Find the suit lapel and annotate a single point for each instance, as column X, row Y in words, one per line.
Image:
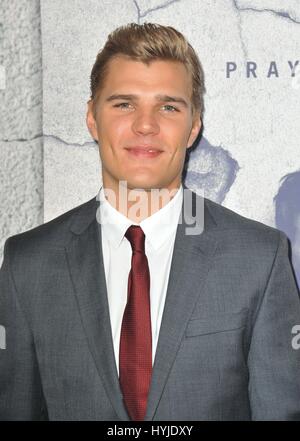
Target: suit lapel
column 84, row 254
column 192, row 258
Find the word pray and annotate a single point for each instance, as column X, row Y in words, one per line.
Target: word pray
column 252, row 70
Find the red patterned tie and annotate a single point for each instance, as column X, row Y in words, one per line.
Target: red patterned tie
column 135, row 357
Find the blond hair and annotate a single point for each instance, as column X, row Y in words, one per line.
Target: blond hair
column 149, row 42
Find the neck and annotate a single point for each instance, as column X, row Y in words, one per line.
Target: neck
column 138, row 204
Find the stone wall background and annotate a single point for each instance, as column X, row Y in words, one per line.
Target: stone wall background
column 21, row 145
column 251, row 136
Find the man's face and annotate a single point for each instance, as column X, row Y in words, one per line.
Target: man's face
column 139, row 109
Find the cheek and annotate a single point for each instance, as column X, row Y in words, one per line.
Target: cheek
column 177, row 130
column 176, row 143
column 113, row 129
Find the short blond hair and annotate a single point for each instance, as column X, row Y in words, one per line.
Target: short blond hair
column 149, row 42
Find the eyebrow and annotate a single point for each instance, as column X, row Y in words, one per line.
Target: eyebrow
column 161, row 98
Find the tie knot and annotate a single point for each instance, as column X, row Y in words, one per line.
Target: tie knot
column 136, row 237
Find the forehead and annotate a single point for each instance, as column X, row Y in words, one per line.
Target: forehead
column 158, row 76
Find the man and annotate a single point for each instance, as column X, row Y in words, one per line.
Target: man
column 120, row 310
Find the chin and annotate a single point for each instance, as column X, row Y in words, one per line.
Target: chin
column 145, row 183
column 141, row 185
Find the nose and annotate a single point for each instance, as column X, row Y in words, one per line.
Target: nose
column 145, row 123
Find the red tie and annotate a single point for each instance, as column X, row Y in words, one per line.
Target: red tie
column 135, row 357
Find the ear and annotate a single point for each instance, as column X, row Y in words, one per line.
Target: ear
column 90, row 120
column 196, row 127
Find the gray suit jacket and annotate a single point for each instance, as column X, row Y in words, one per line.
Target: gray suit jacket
column 224, row 349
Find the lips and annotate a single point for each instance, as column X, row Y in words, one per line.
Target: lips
column 144, row 151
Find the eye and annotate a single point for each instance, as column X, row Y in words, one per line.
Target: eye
column 170, row 108
column 124, row 105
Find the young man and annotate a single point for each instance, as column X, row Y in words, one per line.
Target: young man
column 119, row 310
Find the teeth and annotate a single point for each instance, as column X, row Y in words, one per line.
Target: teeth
column 149, row 150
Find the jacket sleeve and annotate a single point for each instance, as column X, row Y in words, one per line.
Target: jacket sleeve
column 273, row 360
column 21, row 395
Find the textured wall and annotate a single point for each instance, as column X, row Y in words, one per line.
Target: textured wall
column 71, row 37
column 251, row 124
column 21, row 150
column 251, row 136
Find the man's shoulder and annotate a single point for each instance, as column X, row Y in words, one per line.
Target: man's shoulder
column 56, row 232
column 228, row 218
column 242, row 230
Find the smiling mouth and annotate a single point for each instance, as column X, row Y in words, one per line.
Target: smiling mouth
column 143, row 152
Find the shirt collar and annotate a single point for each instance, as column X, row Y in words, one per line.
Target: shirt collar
column 157, row 228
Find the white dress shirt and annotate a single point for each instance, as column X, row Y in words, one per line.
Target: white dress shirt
column 160, row 231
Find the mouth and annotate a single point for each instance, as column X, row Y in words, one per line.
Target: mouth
column 144, row 151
